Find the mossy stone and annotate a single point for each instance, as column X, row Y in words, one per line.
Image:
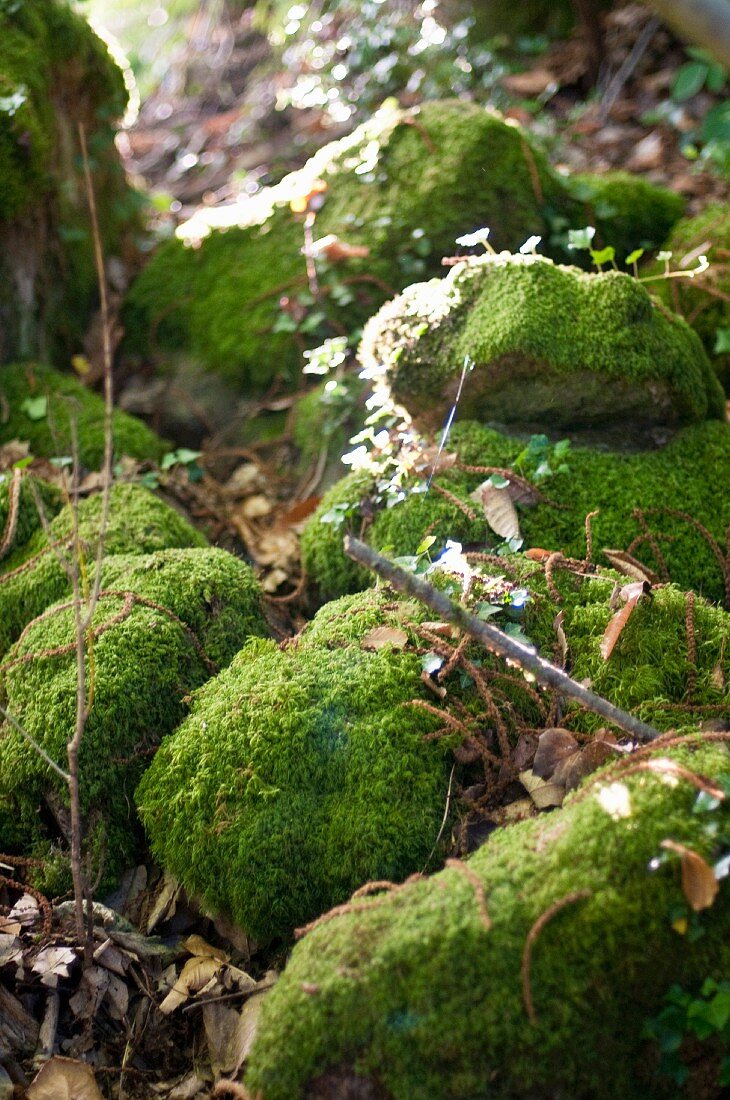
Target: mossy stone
column 627, row 212
column 164, row 624
column 415, row 997
column 299, row 775
column 44, row 403
column 702, row 300
column 685, row 476
column 32, row 577
column 404, row 184
column 551, row 345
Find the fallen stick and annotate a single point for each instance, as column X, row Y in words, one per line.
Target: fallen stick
column 496, row 641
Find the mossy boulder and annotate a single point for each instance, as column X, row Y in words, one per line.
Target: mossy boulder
column 300, row 774
column 43, row 403
column 404, row 184
column 702, row 300
column 32, row 578
column 626, row 211
column 164, row 624
column 55, row 73
column 551, row 345
column 19, row 516
column 418, row 994
column 685, row 476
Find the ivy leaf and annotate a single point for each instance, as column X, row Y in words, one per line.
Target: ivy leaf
column 634, row 256
column 603, row 255
column 689, row 80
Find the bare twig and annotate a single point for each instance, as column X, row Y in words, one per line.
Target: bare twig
column 532, row 935
column 495, row 640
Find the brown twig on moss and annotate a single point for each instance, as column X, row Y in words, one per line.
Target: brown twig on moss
column 478, row 886
column 529, row 947
column 457, row 502
column 650, row 539
column 11, row 523
column 723, row 558
column 689, row 623
column 495, row 640
column 589, row 535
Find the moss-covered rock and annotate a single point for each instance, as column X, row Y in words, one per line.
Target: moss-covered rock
column 299, row 775
column 164, row 624
column 551, row 345
column 55, row 73
column 414, row 996
column 702, row 300
column 686, row 476
column 404, row 184
column 626, row 211
column 32, row 577
column 43, row 403
column 19, row 516
column 302, row 773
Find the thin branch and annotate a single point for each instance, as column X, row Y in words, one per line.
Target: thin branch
column 32, row 741
column 496, row 641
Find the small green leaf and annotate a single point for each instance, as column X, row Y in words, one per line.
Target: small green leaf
column 426, row 544
column 185, row 455
column 688, row 81
column 581, row 238
column 35, row 408
column 603, row 255
column 634, row 256
column 498, row 481
column 23, row 462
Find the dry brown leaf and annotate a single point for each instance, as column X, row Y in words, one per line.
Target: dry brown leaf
column 64, row 1079
column 436, row 463
column 631, row 566
column 381, row 636
column 543, row 793
column 632, row 593
column 536, row 553
column 499, row 511
column 531, row 83
column 554, row 746
column 699, row 885
column 522, row 491
column 574, row 770
column 196, row 945
column 196, row 974
column 444, row 630
column 717, row 677
column 334, row 250
column 561, row 636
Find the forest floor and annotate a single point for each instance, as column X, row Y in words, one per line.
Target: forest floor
column 207, row 133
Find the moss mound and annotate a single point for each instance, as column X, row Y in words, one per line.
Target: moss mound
column 43, row 403
column 19, row 517
column 627, row 212
column 299, row 775
column 55, row 73
column 404, row 184
column 165, row 622
column 32, row 578
column 683, row 476
column 550, row 344
column 703, row 300
column 414, row 997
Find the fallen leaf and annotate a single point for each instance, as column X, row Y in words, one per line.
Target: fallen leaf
column 630, row 566
column 499, row 511
column 543, row 793
column 553, row 747
column 196, row 945
column 561, row 636
column 699, row 885
column 632, row 593
column 381, row 636
column 53, row 963
column 331, row 248
column 531, row 83
column 193, row 977
column 717, row 677
column 165, row 903
column 573, row 771
column 64, row 1079
column 536, row 553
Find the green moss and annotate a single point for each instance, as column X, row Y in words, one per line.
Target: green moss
column 551, row 345
column 299, row 775
column 202, row 604
column 700, row 300
column 27, row 519
column 686, row 475
column 414, row 992
column 33, row 578
column 54, row 74
column 405, row 184
column 627, row 212
column 68, row 401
